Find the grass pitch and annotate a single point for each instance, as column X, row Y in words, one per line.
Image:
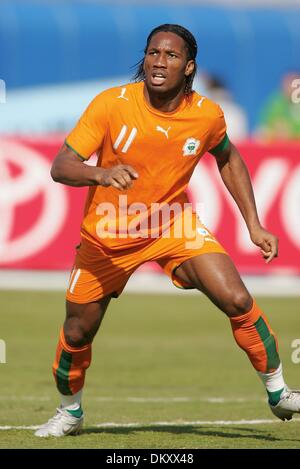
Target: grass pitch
column 166, row 373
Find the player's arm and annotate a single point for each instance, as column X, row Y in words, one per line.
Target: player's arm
column 236, row 178
column 69, row 168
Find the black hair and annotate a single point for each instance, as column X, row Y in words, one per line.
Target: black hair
column 190, row 44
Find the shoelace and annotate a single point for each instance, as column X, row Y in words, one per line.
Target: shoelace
column 293, row 395
column 51, row 422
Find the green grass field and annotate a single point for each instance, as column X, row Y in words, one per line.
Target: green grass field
column 168, row 365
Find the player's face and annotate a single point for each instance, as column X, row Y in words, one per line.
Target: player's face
column 166, row 65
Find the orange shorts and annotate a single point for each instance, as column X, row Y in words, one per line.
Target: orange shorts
column 99, row 272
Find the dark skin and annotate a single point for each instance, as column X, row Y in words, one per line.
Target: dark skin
column 166, row 67
column 166, row 56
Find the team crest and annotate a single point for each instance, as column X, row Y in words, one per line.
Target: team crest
column 191, row 146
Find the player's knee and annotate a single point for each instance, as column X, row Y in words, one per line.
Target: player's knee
column 77, row 336
column 241, row 303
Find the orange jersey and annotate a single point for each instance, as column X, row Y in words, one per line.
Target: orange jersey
column 164, row 148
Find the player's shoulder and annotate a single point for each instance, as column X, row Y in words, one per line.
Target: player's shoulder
column 205, row 106
column 118, row 93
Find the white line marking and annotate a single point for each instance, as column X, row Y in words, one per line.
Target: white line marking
column 177, row 423
column 185, row 423
column 24, row 398
column 134, row 399
column 19, row 427
column 144, row 282
column 211, row 400
column 143, row 399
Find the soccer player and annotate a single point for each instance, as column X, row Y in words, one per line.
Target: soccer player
column 149, row 136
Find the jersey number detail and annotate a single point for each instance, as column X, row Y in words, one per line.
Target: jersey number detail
column 121, row 136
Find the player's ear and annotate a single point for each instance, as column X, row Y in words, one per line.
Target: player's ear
column 189, row 68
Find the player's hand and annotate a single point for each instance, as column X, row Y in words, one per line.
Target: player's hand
column 121, row 177
column 267, row 242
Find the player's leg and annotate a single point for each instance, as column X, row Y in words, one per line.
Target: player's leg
column 73, row 353
column 216, row 276
column 73, row 357
column 94, row 280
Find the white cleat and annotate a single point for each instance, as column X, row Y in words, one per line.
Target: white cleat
column 63, row 423
column 288, row 405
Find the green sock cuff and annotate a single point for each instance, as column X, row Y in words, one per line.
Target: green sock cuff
column 76, row 413
column 274, row 397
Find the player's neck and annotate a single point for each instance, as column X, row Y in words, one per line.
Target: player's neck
column 164, row 102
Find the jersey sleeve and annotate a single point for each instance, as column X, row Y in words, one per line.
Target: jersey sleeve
column 218, row 138
column 88, row 134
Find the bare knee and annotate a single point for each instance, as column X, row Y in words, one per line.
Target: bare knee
column 77, row 334
column 240, row 302
column 83, row 321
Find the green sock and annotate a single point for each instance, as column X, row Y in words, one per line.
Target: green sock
column 76, row 413
column 274, row 397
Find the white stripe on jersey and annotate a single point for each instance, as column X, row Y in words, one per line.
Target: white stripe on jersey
column 120, row 137
column 130, row 139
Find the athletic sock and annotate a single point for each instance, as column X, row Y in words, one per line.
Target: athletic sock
column 71, row 402
column 75, row 413
column 274, row 384
column 254, row 335
column 274, row 397
column 69, row 369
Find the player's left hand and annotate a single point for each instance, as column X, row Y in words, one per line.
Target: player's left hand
column 267, row 242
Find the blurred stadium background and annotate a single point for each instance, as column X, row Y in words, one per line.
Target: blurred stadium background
column 55, row 56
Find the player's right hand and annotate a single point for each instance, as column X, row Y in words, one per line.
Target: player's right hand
column 120, row 177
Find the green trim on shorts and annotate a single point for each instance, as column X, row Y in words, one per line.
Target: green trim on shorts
column 221, row 146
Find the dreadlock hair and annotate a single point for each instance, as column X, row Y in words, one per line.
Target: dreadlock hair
column 190, row 44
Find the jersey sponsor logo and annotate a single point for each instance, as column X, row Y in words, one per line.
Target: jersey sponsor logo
column 121, row 137
column 161, row 129
column 190, row 146
column 123, row 91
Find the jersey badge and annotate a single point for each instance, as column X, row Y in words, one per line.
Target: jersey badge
column 190, row 147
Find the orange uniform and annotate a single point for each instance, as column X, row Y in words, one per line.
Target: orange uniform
column 123, row 229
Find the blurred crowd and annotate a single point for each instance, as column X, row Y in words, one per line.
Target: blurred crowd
column 279, row 118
